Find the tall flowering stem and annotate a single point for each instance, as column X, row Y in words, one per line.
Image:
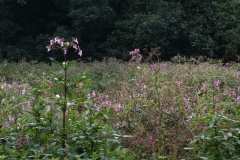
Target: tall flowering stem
column 64, row 109
column 64, row 46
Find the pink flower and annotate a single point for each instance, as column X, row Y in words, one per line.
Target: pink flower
column 150, row 138
column 117, row 107
column 62, row 44
column 237, row 75
column 6, row 86
column 136, row 50
column 93, row 93
column 75, row 46
column 48, row 108
column 80, row 53
column 48, row 48
column 50, row 84
column 44, row 75
column 216, row 84
column 65, row 149
column 11, row 118
column 238, row 99
column 101, row 98
column 88, row 96
column 135, row 54
column 20, row 141
column 153, row 67
column 7, row 125
column 132, row 53
column 29, row 105
column 232, row 94
column 96, row 107
column 58, row 40
column 203, row 88
column 178, row 83
column 189, row 140
column 185, row 100
column 24, row 91
column 79, row 84
column 51, row 42
column 107, row 103
column 163, row 66
column 75, row 40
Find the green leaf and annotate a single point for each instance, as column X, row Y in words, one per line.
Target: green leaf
column 71, row 63
column 211, row 124
column 82, row 79
column 229, row 134
column 116, row 135
column 55, row 90
column 25, row 131
column 74, row 96
column 229, row 146
column 56, row 62
column 204, row 158
column 112, row 140
column 162, row 157
column 3, row 157
column 82, row 137
column 74, row 138
column 105, row 116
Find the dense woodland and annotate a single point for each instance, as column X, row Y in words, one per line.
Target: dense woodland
column 112, row 28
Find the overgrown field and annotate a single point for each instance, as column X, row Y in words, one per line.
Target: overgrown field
column 120, row 110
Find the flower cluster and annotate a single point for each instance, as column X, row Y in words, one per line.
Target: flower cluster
column 135, row 54
column 64, row 45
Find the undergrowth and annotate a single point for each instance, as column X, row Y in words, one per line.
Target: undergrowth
column 121, row 110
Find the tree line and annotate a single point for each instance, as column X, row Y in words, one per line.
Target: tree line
column 112, row 28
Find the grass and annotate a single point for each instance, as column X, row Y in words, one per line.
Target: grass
column 165, row 110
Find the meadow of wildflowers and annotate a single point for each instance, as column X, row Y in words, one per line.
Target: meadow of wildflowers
column 119, row 110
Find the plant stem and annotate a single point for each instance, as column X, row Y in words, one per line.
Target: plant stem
column 65, row 101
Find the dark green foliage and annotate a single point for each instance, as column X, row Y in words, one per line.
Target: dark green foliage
column 107, row 28
column 93, row 21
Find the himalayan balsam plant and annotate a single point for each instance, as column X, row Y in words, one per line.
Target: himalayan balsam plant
column 64, row 46
column 88, row 136
column 136, row 55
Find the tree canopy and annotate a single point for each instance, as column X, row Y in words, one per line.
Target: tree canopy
column 107, row 28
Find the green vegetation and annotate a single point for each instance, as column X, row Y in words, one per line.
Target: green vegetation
column 184, row 109
column 112, row 28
